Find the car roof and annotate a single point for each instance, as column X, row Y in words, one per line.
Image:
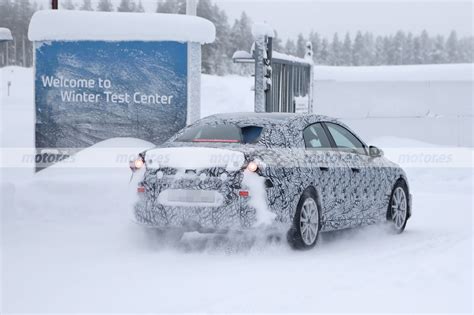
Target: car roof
column 275, row 118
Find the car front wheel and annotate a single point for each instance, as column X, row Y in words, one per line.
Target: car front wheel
column 306, row 223
column 398, row 207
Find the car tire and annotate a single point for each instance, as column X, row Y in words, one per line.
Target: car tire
column 398, row 208
column 306, row 223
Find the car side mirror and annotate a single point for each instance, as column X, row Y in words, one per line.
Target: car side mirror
column 375, row 152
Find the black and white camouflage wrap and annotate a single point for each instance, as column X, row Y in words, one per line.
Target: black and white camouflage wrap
column 345, row 198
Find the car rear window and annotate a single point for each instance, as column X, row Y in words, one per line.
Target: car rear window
column 221, row 133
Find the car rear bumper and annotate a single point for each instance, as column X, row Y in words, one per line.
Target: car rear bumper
column 236, row 215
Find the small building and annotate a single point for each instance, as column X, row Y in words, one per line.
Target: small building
column 5, row 37
column 430, row 103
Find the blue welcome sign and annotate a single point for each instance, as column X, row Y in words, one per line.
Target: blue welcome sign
column 88, row 91
column 102, row 75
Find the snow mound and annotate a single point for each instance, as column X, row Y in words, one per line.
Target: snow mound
column 114, row 26
column 110, row 156
column 5, row 34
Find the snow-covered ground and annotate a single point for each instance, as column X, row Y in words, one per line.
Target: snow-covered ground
column 68, row 244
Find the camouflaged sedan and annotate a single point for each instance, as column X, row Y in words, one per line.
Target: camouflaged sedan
column 300, row 173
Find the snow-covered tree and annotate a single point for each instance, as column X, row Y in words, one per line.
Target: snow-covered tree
column 409, row 49
column 126, row 6
column 426, row 47
column 301, row 46
column 336, row 51
column 452, row 50
column 290, row 47
column 324, row 55
column 347, row 50
column 139, row 8
column 358, row 50
column 438, row 54
column 380, row 57
column 105, row 5
column 86, row 5
column 277, row 44
column 68, row 5
column 315, row 40
column 172, row 6
column 241, row 34
column 398, row 48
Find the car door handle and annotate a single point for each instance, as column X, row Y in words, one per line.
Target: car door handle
column 355, row 169
column 323, row 168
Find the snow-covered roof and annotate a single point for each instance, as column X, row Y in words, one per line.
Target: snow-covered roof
column 290, row 58
column 5, row 34
column 444, row 72
column 115, row 26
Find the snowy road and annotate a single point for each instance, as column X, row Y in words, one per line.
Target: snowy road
column 68, row 246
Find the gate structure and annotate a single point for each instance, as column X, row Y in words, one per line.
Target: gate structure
column 283, row 83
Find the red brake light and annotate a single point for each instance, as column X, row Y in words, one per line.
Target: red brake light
column 243, row 193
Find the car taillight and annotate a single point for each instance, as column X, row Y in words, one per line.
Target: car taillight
column 252, row 167
column 243, row 193
column 137, row 164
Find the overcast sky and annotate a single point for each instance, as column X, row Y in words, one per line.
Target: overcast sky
column 290, row 17
column 381, row 17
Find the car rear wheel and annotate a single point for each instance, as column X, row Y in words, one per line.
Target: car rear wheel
column 398, row 207
column 306, row 223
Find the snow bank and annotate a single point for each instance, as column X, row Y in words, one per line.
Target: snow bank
column 5, row 34
column 114, row 26
column 446, row 72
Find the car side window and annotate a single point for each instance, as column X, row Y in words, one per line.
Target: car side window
column 315, row 137
column 345, row 140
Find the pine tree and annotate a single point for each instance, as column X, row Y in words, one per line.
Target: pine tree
column 336, row 51
column 241, row 34
column 300, row 46
column 125, row 6
column 172, row 6
column 466, row 49
column 426, row 47
column 105, row 5
column 417, row 51
column 277, row 43
column 452, row 50
column 380, row 57
column 324, row 55
column 388, row 48
column 398, row 50
column 86, row 5
column 358, row 50
column 290, row 47
column 409, row 58
column 315, row 40
column 438, row 53
column 68, row 5
column 347, row 50
column 215, row 59
column 139, row 8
